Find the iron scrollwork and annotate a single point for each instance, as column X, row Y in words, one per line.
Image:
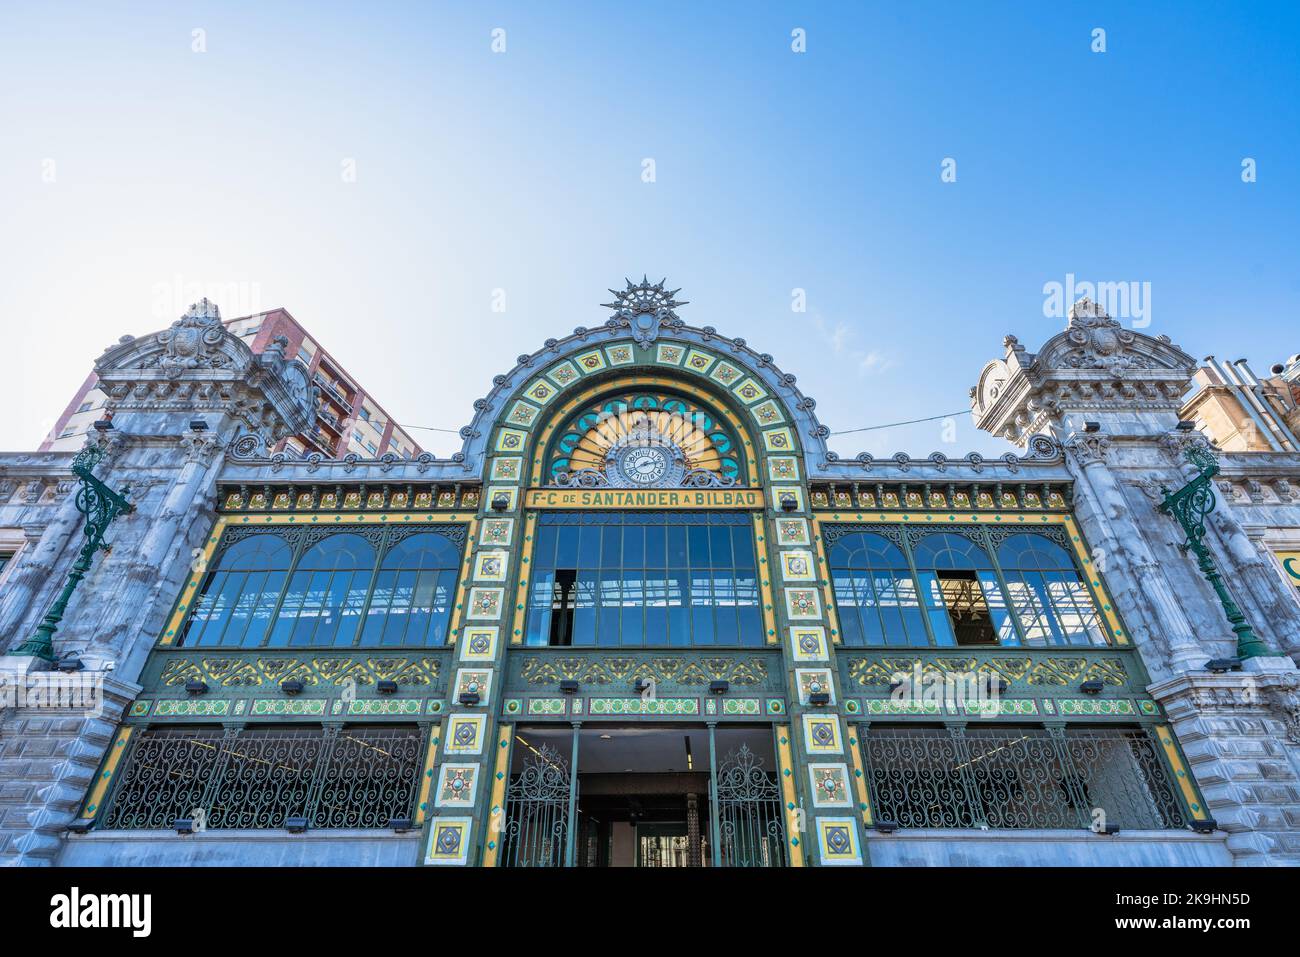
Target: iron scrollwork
column 750, row 832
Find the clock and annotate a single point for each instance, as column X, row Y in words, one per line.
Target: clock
column 642, row 465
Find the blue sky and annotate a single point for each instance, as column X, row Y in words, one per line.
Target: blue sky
column 131, row 165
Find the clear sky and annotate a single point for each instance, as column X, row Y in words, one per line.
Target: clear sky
column 133, row 167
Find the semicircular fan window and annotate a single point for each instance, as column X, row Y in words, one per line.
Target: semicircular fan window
column 645, row 440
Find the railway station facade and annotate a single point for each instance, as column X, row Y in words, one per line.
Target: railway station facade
column 646, row 617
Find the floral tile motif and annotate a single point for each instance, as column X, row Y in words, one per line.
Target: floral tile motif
column 669, row 355
column 620, row 355
column 550, row 706
column 803, row 604
column 474, row 681
column 485, row 602
column 750, row 391
column 792, row 531
column 282, row 706
column 465, row 734
column 783, row 468
column 726, row 373
column 563, row 373
column 778, row 440
column 808, row 643
column 821, row 734
column 837, row 841
column 448, row 841
column 798, row 566
column 510, row 440
column 478, row 643
column 491, row 566
column 812, row 681
column 590, row 362
column 506, row 468
column 699, row 361
column 1096, row 706
column 768, row 413
column 541, row 391
column 522, row 413
column 497, row 531
column 830, row 785
column 457, row 785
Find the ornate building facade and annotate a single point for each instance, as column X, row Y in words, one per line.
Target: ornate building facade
column 646, row 617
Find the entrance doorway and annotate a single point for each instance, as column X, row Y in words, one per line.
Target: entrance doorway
column 644, row 797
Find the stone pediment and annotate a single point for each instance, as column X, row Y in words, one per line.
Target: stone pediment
column 197, row 365
column 1095, row 364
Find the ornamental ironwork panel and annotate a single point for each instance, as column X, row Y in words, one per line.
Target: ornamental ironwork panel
column 537, row 811
column 165, row 778
column 1009, row 778
column 750, row 832
column 350, row 777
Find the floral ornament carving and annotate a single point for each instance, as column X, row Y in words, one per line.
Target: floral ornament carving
column 191, row 339
column 1102, row 342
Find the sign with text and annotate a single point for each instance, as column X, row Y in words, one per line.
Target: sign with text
column 1291, row 564
column 650, row 498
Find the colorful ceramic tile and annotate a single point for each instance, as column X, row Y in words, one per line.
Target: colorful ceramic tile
column 497, row 531
column 802, row 604
column 778, row 440
column 808, row 643
column 780, row 492
column 465, row 734
column 506, row 468
column 837, row 840
column 523, row 414
column 474, row 681
column 509, row 491
column 750, row 391
column 783, row 468
column 491, row 566
column 448, row 841
column 821, row 734
column 798, row 566
column 562, row 373
column 541, row 391
column 478, row 643
column 812, row 681
column 510, row 440
column 830, row 785
column 792, row 531
column 768, row 413
column 621, row 354
column 485, row 602
column 726, row 373
column 590, row 362
column 698, row 361
column 669, row 355
column 457, row 785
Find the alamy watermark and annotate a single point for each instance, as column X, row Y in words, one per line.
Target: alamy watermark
column 1124, row 301
column 78, row 691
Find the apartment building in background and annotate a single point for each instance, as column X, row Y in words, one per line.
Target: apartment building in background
column 348, row 419
column 1240, row 412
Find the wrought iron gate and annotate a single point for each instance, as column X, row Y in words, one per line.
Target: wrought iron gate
column 537, row 811
column 750, row 831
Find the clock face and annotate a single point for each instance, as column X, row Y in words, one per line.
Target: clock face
column 644, row 466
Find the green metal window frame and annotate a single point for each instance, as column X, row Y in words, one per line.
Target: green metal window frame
column 301, row 540
column 989, row 541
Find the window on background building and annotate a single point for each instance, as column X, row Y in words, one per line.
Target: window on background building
column 365, row 413
column 644, row 579
column 875, row 595
column 70, row 430
column 371, row 448
column 5, row 559
column 340, row 591
column 86, row 407
column 1050, row 598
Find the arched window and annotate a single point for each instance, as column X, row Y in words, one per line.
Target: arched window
column 874, row 592
column 1048, row 594
column 327, row 591
column 960, row 591
column 414, row 592
column 238, row 597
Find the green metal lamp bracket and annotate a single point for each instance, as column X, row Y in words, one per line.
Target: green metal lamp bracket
column 100, row 505
column 1191, row 505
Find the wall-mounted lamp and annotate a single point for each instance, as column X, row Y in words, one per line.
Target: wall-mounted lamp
column 292, row 686
column 399, row 824
column 196, row 687
column 1092, row 426
column 789, row 503
column 719, row 687
column 500, row 503
column 81, row 825
column 103, row 425
column 1092, row 687
column 386, row 686
column 1185, row 426
column 1220, row 665
column 198, row 425
column 468, row 698
column 886, row 827
column 1208, row 826
column 642, row 685
column 569, row 686
column 295, row 825
column 183, row 825
column 819, row 699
